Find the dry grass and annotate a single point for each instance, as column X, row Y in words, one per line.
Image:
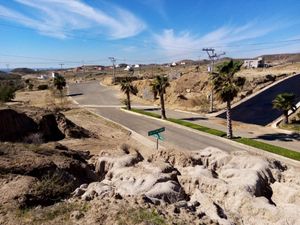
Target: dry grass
column 56, row 214
column 42, row 99
column 276, row 70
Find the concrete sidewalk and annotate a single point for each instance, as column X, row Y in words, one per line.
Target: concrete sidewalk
column 274, row 136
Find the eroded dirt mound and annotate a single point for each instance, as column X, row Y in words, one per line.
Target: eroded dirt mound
column 210, row 183
column 70, row 129
column 15, row 126
column 38, row 175
column 38, row 127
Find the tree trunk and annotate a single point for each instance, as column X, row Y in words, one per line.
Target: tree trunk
column 162, row 105
column 61, row 96
column 229, row 122
column 286, row 117
column 128, row 100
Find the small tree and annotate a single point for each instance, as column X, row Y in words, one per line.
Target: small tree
column 128, row 88
column 227, row 86
column 284, row 102
column 7, row 93
column 59, row 83
column 159, row 85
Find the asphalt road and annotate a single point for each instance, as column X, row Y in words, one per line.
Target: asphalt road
column 91, row 93
column 259, row 110
column 94, row 94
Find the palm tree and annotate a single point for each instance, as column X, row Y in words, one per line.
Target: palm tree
column 59, row 83
column 159, row 85
column 284, row 102
column 128, row 88
column 227, row 86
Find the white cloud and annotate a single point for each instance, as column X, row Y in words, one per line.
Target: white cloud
column 58, row 18
column 225, row 38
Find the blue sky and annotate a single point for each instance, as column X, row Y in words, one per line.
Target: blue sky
column 45, row 33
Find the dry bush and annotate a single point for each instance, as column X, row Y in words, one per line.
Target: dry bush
column 200, row 101
column 35, row 138
column 125, row 148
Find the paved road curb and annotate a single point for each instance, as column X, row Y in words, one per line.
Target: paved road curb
column 136, row 136
column 143, row 140
column 233, row 143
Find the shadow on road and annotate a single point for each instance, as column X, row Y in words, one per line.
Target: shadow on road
column 151, row 109
column 280, row 137
column 75, row 94
column 194, row 118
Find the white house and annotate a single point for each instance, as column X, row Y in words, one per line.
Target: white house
column 127, row 68
column 54, row 74
column 174, row 64
column 254, row 63
column 136, row 66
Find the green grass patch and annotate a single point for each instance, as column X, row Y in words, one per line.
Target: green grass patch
column 246, row 141
column 270, row 148
column 198, row 127
column 184, row 123
column 141, row 111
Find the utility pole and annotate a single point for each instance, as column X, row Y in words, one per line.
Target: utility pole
column 83, row 67
column 61, row 65
column 213, row 57
column 113, row 61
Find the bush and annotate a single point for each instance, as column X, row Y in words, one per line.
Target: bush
column 7, row 93
column 51, row 188
column 30, row 86
column 35, row 138
column 42, row 87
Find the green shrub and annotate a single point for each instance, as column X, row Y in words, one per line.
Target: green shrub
column 7, row 93
column 43, row 87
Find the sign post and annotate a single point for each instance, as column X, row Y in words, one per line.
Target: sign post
column 157, row 135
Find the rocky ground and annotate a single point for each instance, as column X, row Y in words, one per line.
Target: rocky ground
column 101, row 176
column 123, row 186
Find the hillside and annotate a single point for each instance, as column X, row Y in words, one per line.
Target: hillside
column 278, row 59
column 23, row 71
column 190, row 87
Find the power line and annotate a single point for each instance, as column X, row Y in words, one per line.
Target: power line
column 113, row 61
column 213, row 57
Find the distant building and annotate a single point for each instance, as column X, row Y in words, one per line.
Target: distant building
column 254, row 63
column 136, row 66
column 100, row 68
column 54, row 74
column 127, row 68
column 43, row 77
column 174, row 64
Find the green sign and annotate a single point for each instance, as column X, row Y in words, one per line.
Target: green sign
column 157, row 131
column 159, row 137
